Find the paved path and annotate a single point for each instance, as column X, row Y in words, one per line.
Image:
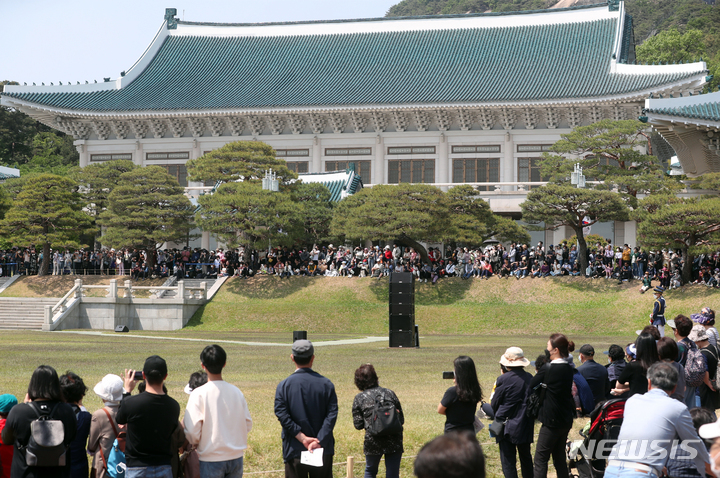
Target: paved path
column 366, row 340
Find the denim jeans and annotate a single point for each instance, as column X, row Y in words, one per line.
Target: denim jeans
column 392, row 465
column 222, row 469
column 627, row 471
column 163, row 471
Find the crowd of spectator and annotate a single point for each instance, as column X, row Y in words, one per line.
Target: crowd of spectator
column 518, row 261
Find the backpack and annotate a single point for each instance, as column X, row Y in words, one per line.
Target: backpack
column 46, row 445
column 694, row 368
column 384, row 418
column 115, row 462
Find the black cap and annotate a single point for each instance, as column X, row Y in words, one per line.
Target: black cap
column 156, row 364
column 588, row 350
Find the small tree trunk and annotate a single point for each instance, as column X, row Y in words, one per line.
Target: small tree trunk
column 409, row 242
column 582, row 249
column 687, row 265
column 46, row 259
column 150, row 252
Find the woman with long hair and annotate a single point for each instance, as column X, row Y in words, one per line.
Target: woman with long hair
column 44, row 397
column 633, row 378
column 375, row 446
column 460, row 401
column 558, row 407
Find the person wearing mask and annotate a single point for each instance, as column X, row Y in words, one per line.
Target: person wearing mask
column 707, row 391
column 460, row 401
column 375, row 446
column 657, row 316
column 633, row 379
column 508, row 404
column 73, row 390
column 103, row 427
column 557, row 409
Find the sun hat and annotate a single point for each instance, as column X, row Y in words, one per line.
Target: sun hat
column 710, row 430
column 514, row 357
column 698, row 333
column 110, row 388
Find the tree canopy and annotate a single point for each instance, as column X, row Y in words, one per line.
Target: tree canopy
column 240, row 160
column 146, row 209
column 97, row 181
column 47, row 212
column 560, row 205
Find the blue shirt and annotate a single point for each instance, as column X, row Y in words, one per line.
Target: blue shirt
column 652, row 423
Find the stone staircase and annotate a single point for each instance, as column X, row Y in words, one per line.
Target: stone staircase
column 23, row 313
column 171, row 294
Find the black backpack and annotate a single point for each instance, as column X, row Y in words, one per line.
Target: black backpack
column 46, row 446
column 384, row 419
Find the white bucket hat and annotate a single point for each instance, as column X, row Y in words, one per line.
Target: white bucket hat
column 514, row 357
column 110, row 388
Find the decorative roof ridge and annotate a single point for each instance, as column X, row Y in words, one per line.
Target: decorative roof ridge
column 388, row 19
column 654, row 104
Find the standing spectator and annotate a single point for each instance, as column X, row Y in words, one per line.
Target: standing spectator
column 706, row 317
column 595, row 374
column 508, row 404
column 707, row 392
column 460, row 401
column 45, row 398
column 556, row 412
column 7, row 402
column 306, row 406
column 391, row 445
column 634, row 378
column 103, row 427
column 657, row 419
column 73, row 390
column 668, row 352
column 151, row 418
column 681, row 327
column 217, row 420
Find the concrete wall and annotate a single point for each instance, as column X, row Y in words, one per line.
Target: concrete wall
column 137, row 314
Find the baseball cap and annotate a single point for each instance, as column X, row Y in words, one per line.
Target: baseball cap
column 156, row 364
column 303, row 349
column 588, row 350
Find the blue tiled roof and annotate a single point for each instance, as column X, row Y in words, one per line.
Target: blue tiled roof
column 351, row 184
column 457, row 65
column 705, row 111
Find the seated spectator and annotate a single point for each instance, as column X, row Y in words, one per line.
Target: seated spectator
column 544, row 270
column 450, row 269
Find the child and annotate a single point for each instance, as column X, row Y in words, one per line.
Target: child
column 7, row 401
column 647, row 283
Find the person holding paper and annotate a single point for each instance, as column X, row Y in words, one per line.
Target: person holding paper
column 306, row 406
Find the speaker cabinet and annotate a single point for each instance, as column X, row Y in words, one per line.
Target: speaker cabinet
column 299, row 335
column 404, row 310
column 122, row 328
column 401, row 324
column 402, row 339
column 405, row 290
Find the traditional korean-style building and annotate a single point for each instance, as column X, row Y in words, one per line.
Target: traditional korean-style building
column 439, row 99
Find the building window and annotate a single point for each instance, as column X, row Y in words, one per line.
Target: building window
column 361, row 167
column 284, row 153
column 179, row 172
column 411, row 150
column 110, row 157
column 533, row 148
column 161, row 156
column 348, row 151
column 476, row 171
column 298, row 166
column 411, row 171
column 529, row 170
column 476, row 149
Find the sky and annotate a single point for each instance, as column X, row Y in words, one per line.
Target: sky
column 77, row 40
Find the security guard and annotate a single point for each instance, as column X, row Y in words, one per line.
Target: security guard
column 657, row 318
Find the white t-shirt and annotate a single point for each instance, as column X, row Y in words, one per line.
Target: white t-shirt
column 217, row 419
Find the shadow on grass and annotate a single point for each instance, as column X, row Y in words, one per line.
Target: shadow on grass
column 268, row 287
column 196, row 319
column 445, row 291
column 582, row 284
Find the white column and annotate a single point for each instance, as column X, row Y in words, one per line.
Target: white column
column 205, row 240
column 316, row 166
column 83, row 152
column 443, row 168
column 507, row 172
column 378, row 164
column 631, row 233
column 139, row 155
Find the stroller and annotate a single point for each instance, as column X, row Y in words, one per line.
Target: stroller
column 589, row 456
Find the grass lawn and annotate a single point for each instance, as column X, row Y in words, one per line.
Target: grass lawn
column 477, row 307
column 414, row 374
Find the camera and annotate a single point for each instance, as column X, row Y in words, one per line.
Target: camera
column 138, row 375
column 448, row 375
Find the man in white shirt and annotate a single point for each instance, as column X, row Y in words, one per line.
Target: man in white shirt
column 217, row 420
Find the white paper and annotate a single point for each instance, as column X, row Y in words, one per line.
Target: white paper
column 313, row 458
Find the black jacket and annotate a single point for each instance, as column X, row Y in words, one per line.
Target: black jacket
column 362, row 411
column 558, row 407
column 509, row 402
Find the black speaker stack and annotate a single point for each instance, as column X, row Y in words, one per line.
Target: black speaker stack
column 402, row 310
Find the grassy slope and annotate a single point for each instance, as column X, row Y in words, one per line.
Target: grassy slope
column 58, row 286
column 414, row 374
column 478, row 307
